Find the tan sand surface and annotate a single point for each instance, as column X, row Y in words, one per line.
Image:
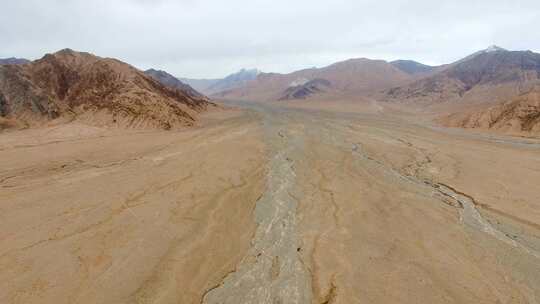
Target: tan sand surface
column 280, row 203
column 99, row 216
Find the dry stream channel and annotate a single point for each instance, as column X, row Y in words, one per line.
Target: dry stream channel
column 275, row 270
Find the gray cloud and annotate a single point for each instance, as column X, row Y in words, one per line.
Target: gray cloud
column 211, row 38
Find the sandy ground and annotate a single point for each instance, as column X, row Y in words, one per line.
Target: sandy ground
column 98, row 216
column 280, row 203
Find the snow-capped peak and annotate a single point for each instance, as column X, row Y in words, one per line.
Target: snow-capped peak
column 493, row 48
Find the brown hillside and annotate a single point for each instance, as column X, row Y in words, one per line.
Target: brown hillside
column 492, row 77
column 522, row 114
column 102, row 91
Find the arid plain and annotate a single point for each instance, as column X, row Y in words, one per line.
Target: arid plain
column 270, row 203
column 270, row 152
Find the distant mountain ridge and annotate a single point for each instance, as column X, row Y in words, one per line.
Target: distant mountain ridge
column 13, row 60
column 351, row 77
column 213, row 86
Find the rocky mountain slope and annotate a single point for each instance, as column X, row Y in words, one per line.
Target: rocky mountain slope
column 173, row 82
column 492, row 89
column 70, row 85
column 487, row 76
column 13, row 60
column 351, row 77
column 521, row 114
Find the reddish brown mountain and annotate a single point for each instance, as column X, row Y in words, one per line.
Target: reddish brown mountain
column 487, row 76
column 492, row 89
column 72, row 85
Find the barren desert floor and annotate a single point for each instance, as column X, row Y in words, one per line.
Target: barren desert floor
column 271, row 204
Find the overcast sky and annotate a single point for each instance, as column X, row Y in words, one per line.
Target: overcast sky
column 212, row 38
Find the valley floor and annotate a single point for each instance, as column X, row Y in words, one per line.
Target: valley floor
column 270, row 205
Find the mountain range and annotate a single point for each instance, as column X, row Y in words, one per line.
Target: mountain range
column 492, row 88
column 351, row 77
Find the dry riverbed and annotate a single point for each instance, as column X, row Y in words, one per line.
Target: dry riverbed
column 270, row 205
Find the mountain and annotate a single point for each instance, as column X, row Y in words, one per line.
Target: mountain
column 412, row 67
column 490, row 89
column 491, row 75
column 490, row 49
column 213, row 86
column 71, row 85
column 351, row 77
column 306, row 89
column 234, row 81
column 172, row 82
column 521, row 114
column 13, row 60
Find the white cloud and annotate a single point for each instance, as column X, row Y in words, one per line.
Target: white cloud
column 211, row 38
